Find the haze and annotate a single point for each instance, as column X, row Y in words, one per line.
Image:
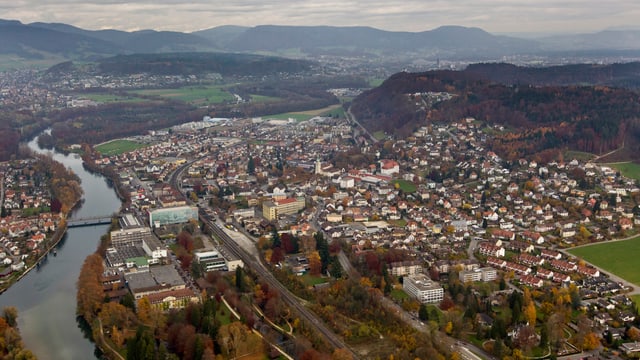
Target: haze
column 498, row 16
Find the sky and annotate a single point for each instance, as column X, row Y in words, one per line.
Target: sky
column 495, row 16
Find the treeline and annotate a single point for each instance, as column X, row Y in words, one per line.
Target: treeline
column 11, row 346
column 64, row 184
column 93, row 125
column 625, row 75
column 199, row 63
column 539, row 119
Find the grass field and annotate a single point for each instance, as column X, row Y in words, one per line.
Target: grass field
column 117, row 147
column 263, row 99
column 375, row 82
column 379, row 135
column 110, row 98
column 620, row 257
column 398, row 295
column 313, row 280
column 578, row 155
column 405, row 186
column 304, row 115
column 199, row 95
column 629, row 169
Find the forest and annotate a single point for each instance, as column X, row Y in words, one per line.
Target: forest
column 537, row 119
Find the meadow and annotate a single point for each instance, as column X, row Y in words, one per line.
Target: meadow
column 628, row 169
column 619, row 257
column 197, row 95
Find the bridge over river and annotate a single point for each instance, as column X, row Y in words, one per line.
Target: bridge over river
column 89, row 221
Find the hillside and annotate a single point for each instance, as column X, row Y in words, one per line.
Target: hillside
column 198, row 63
column 47, row 40
column 618, row 75
column 540, row 120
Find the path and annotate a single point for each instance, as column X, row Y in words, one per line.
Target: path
column 598, row 157
column 104, row 342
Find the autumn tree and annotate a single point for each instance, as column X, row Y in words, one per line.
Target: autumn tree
column 90, row 294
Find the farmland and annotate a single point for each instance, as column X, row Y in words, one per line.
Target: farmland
column 619, row 257
column 628, row 169
column 197, row 95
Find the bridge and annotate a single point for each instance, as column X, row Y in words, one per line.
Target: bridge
column 89, row 221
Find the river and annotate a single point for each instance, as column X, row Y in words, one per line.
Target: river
column 46, row 298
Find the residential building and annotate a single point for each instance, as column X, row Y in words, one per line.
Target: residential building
column 422, row 288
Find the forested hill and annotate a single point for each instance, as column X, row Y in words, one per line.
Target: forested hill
column 625, row 75
column 198, row 63
column 540, row 120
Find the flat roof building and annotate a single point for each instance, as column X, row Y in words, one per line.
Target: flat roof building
column 423, row 289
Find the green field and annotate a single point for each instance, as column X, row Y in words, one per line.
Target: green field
column 398, row 295
column 306, row 115
column 264, row 99
column 110, row 98
column 287, row 116
column 12, row 62
column 198, row 95
column 578, row 155
column 310, row 280
column 379, row 135
column 620, row 257
column 629, row 169
column 405, row 186
column 117, row 147
column 375, row 82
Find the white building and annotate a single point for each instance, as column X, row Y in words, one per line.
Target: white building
column 423, row 289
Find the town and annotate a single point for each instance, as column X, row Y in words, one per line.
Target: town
column 420, row 217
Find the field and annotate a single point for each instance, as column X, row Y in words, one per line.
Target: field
column 110, row 98
column 578, row 155
column 628, row 169
column 620, row 257
column 197, row 95
column 405, row 186
column 398, row 295
column 263, row 98
column 379, row 135
column 305, row 115
column 117, row 147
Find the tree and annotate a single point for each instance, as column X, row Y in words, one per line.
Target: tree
column 423, row 314
column 240, row 283
column 315, row 263
column 591, row 341
column 530, row 314
column 251, row 166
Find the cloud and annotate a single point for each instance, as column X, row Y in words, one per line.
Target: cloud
column 407, row 15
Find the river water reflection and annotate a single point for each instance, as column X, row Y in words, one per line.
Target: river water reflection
column 46, row 298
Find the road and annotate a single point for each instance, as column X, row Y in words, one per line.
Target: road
column 351, row 117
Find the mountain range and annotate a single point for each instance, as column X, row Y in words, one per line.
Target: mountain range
column 55, row 40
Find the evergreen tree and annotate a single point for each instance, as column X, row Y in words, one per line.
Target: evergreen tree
column 251, row 166
column 423, row 314
column 240, row 279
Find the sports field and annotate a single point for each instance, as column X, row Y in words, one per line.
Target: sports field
column 619, row 257
column 117, row 147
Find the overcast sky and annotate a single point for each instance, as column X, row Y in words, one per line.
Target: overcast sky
column 496, row 16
